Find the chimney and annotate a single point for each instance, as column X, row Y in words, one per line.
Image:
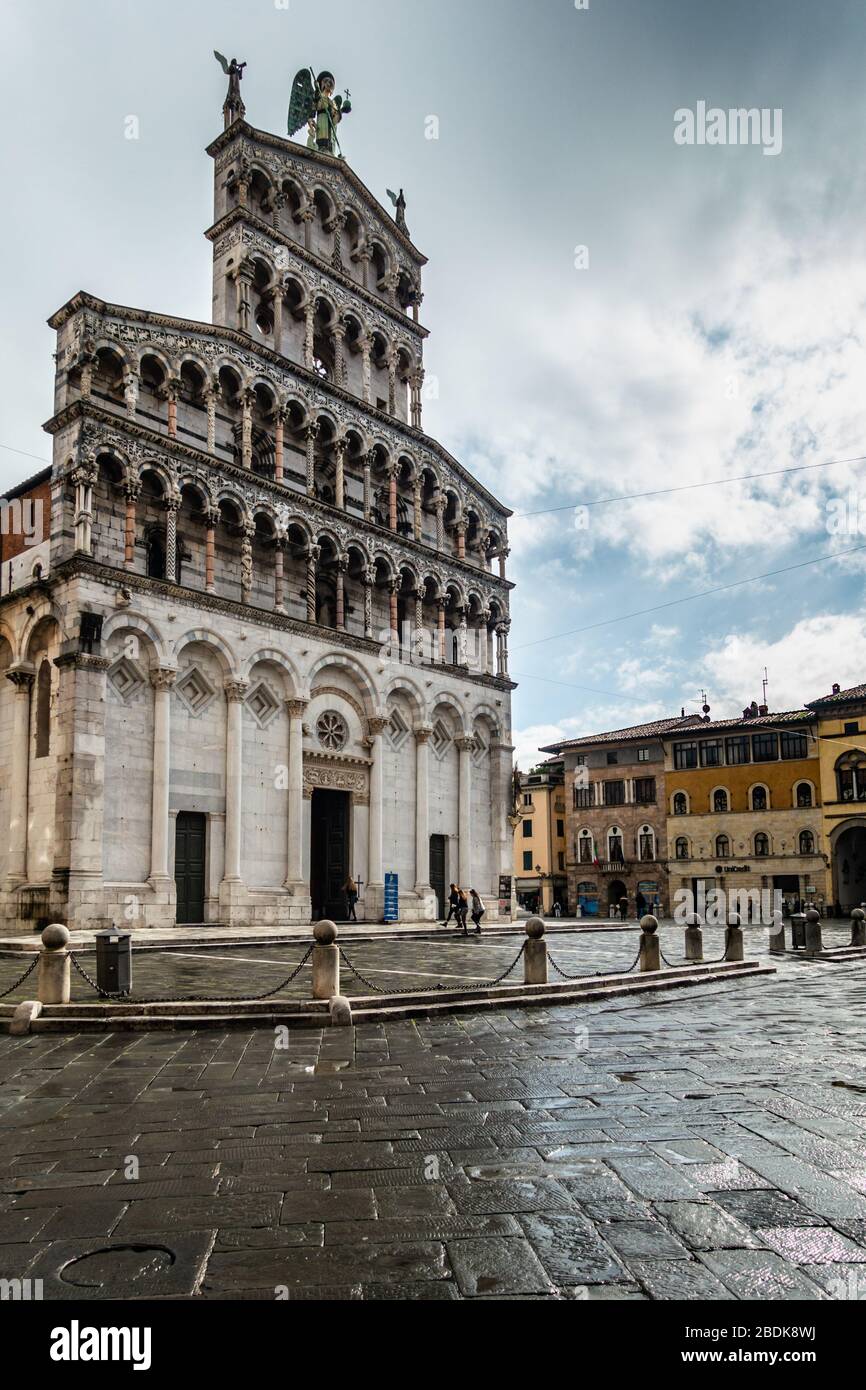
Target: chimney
column 837, row 690
column 764, row 710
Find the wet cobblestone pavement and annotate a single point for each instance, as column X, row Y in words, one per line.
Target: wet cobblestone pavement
column 703, row 1144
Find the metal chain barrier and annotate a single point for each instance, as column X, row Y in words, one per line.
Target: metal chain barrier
column 590, row 974
column 420, row 989
column 193, row 998
column 19, row 982
column 717, row 960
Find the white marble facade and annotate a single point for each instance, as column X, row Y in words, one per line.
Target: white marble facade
column 299, row 666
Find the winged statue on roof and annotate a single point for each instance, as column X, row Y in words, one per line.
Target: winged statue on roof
column 314, row 105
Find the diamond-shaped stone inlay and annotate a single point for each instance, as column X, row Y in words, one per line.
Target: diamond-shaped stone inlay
column 441, row 740
column 126, row 679
column 397, row 731
column 195, row 690
column 262, row 704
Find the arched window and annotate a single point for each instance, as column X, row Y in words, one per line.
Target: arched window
column 807, row 842
column 723, row 847
column 720, row 801
column 759, row 798
column 614, row 846
column 43, row 710
column 851, row 777
column 646, row 843
column 804, row 795
column 762, row 846
column 584, row 848
column 682, row 848
column 681, row 804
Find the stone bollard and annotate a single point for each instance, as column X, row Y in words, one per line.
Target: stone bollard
column 326, row 962
column 54, row 970
column 777, row 935
column 858, row 927
column 814, row 945
column 734, row 942
column 650, row 958
column 694, row 938
column 535, row 953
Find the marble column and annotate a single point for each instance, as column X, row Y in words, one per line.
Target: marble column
column 375, row 869
column 461, row 540
column 247, row 564
column 339, row 337
column 162, row 679
column 340, row 586
column 311, row 434
column 22, row 678
column 340, row 447
column 212, row 520
column 366, row 370
column 442, row 631
column 440, row 524
column 503, row 556
column 83, row 478
column 309, row 334
column 235, row 694
column 417, row 521
column 312, row 567
column 369, row 583
column 212, row 395
column 392, row 497
column 279, row 574
column 368, row 489
column 295, row 877
column 423, row 735
column 132, row 492
column 466, row 747
column 247, row 402
column 279, row 446
column 130, row 393
column 172, row 507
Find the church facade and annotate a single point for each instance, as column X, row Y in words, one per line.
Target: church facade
column 263, row 645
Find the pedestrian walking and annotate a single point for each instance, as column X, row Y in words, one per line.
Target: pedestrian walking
column 557, row 909
column 351, row 891
column 453, row 904
column 623, row 908
column 462, row 909
column 478, row 909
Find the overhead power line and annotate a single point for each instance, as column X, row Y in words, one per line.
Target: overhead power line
column 690, row 598
column 690, row 487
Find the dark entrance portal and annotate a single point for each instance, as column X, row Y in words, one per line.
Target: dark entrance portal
column 329, row 854
column 437, row 871
column 189, row 865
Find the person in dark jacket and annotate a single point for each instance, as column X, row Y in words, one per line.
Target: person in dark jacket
column 351, row 891
column 478, row 909
column 453, row 904
column 462, row 909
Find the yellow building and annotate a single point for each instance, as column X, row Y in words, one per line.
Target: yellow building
column 540, row 841
column 744, row 806
column 841, row 719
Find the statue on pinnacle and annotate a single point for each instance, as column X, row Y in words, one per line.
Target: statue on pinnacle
column 233, row 107
column 313, row 104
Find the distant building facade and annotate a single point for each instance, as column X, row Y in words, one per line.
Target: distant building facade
column 744, row 806
column 615, row 791
column 841, row 719
column 540, row 840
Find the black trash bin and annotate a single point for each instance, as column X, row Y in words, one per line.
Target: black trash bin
column 798, row 931
column 114, row 961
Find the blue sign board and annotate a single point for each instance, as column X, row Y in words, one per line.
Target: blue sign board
column 392, row 898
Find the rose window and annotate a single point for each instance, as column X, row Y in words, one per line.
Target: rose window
column 332, row 731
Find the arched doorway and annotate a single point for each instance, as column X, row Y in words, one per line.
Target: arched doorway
column 849, row 867
column 616, row 891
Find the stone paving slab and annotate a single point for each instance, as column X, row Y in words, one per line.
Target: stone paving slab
column 662, row 1148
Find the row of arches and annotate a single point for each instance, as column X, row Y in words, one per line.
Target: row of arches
column 759, row 797
column 612, row 846
column 284, row 440
column 342, row 235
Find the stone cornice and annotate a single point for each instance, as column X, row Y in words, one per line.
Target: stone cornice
column 86, row 410
column 249, row 218
column 83, row 566
column 242, row 130
column 84, row 300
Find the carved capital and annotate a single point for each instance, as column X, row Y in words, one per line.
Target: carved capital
column 296, row 709
column 466, row 745
column 162, row 678
column 377, row 726
column 423, row 733
column 236, row 691
column 22, row 677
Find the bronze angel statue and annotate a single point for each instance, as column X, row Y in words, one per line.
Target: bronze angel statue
column 233, row 108
column 313, row 104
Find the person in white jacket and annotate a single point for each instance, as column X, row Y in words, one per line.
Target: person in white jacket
column 478, row 909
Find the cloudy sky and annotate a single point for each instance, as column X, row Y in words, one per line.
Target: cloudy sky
column 713, row 326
